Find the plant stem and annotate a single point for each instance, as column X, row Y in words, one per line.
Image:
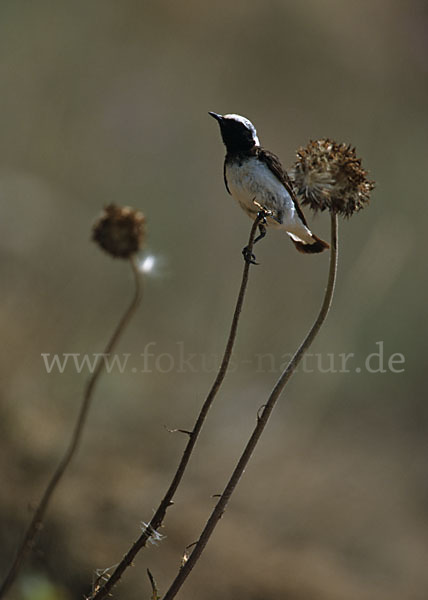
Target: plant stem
column 158, row 518
column 37, row 521
column 262, row 420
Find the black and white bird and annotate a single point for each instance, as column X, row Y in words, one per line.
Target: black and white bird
column 256, row 179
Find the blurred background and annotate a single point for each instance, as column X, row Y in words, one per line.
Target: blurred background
column 107, row 102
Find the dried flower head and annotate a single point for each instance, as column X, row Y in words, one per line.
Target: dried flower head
column 328, row 175
column 120, row 231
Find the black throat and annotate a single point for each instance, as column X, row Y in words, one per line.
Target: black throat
column 237, row 138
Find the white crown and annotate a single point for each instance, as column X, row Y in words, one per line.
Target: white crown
column 247, row 124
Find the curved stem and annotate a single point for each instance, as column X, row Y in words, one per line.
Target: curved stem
column 39, row 514
column 262, row 420
column 103, row 590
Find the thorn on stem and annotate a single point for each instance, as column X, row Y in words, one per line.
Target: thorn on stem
column 186, row 553
column 260, row 412
column 189, row 433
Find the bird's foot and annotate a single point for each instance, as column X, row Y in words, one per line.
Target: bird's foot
column 249, row 257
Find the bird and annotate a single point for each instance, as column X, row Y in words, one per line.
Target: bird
column 255, row 178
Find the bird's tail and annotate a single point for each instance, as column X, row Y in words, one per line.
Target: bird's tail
column 318, row 245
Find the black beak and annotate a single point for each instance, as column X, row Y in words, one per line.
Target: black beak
column 217, row 117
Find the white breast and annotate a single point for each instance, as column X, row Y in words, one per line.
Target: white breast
column 253, row 180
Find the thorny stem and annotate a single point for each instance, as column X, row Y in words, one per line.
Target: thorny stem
column 37, row 521
column 158, row 518
column 262, row 420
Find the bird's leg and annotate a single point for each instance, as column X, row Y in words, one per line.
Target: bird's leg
column 249, row 257
column 262, row 230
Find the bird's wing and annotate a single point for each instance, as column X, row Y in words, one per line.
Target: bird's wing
column 274, row 165
column 224, row 177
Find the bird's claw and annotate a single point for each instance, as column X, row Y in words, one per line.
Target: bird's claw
column 249, row 257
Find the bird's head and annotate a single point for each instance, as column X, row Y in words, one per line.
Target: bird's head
column 238, row 133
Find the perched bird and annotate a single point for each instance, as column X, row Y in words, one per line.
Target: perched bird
column 256, row 179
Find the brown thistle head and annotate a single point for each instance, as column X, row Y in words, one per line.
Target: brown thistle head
column 328, row 175
column 120, row 231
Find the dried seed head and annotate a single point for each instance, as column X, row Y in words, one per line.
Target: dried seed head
column 120, row 231
column 328, row 175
